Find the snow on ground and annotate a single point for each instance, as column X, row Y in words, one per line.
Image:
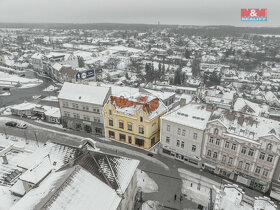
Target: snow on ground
column 49, row 124
column 13, row 80
column 5, row 111
column 150, row 205
column 50, row 88
column 50, row 98
column 98, row 144
column 196, row 187
column 147, row 184
column 6, row 200
column 5, row 94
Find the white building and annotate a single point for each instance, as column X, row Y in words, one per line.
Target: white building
column 182, row 133
column 81, row 107
column 63, row 177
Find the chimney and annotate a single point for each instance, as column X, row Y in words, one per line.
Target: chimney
column 182, row 102
column 5, row 160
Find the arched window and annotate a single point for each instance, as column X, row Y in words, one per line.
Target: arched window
column 215, row 155
column 216, row 131
column 269, row 146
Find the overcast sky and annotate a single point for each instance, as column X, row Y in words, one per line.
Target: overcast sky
column 183, row 12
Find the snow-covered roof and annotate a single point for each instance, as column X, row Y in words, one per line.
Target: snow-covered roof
column 87, row 178
column 37, row 172
column 84, row 93
column 248, row 107
column 246, row 126
column 38, row 56
column 151, row 105
column 160, row 94
column 192, row 115
column 23, row 106
column 54, row 112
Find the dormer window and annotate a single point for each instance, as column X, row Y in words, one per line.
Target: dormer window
column 269, row 146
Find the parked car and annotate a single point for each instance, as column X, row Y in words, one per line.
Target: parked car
column 22, row 126
column 11, row 124
column 5, row 88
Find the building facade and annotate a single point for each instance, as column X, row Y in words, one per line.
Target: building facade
column 81, row 107
column 182, row 133
column 242, row 148
column 134, row 120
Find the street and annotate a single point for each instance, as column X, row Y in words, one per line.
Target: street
column 163, row 170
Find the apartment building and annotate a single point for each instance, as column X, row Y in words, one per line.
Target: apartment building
column 134, row 120
column 242, row 147
column 81, row 107
column 182, row 133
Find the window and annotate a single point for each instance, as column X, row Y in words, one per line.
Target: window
column 265, row 172
column 67, row 114
column 97, row 110
column 178, row 143
column 183, row 132
column 129, row 139
column 86, row 118
column 233, row 146
column 230, row 160
column 224, row 158
column 77, row 116
column 211, row 140
column 121, row 124
column 141, row 129
column 194, row 135
column 111, row 122
column 269, row 146
column 179, row 131
column 167, row 139
column 168, row 127
column 216, row 131
column 85, row 108
column 193, row 148
column 182, row 144
column 269, row 158
column 111, row 134
column 110, row 112
column 258, row 170
column 218, row 142
column 247, row 166
column 65, row 104
column 141, row 119
column 251, row 152
column 227, row 144
column 122, row 137
column 209, row 153
column 139, row 142
column 129, row 126
column 96, row 119
column 240, row 163
column 262, row 155
column 243, row 150
column 215, row 155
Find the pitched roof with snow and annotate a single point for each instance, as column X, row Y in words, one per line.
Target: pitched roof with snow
column 84, row 93
column 85, row 179
column 246, row 126
column 151, row 105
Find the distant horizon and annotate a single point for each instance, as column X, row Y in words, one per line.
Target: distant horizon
column 126, row 23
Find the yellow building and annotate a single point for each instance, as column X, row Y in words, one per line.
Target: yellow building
column 134, row 120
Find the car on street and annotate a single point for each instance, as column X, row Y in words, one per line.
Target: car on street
column 11, row 124
column 5, row 88
column 22, row 126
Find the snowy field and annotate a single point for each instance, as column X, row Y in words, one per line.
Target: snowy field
column 147, row 184
column 14, row 80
